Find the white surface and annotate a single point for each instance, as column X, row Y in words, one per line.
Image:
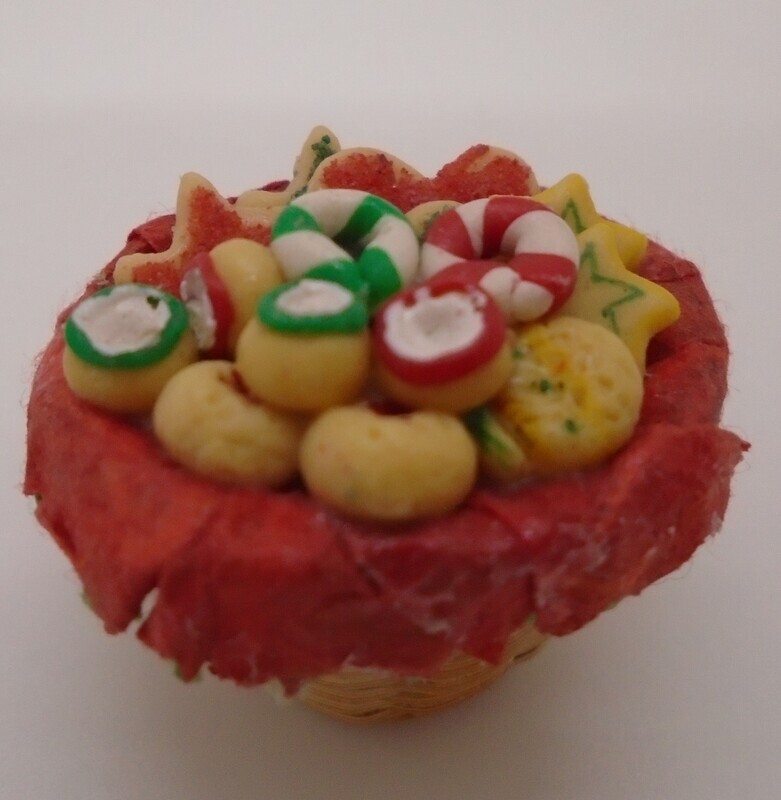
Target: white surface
column 669, row 109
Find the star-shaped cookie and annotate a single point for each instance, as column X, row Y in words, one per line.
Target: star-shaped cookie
column 570, row 199
column 606, row 292
column 204, row 218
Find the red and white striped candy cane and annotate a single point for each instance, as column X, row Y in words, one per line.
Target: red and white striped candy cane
column 540, row 249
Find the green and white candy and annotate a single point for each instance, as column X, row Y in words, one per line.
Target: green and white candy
column 328, row 226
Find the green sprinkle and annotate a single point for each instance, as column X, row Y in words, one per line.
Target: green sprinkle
column 545, row 386
column 518, row 353
column 571, row 426
column 37, row 497
column 85, row 598
column 322, row 150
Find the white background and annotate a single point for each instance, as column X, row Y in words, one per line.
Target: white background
column 668, row 108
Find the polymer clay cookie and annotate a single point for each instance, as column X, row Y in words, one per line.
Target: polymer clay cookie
column 394, row 468
column 206, row 422
column 315, row 229
column 442, row 347
column 123, row 344
column 573, row 399
column 541, row 251
column 307, row 348
column 632, row 307
column 221, row 290
column 288, row 518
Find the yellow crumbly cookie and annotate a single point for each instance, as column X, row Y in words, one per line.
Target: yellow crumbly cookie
column 573, row 399
column 303, row 372
column 206, row 423
column 390, row 468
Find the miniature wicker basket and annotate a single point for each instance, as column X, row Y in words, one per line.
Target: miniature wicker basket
column 366, row 695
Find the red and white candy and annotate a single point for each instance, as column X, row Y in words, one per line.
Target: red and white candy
column 221, row 290
column 541, row 251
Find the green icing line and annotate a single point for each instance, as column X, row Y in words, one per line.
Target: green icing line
column 367, row 214
column 571, row 210
column 177, row 324
column 292, row 220
column 631, row 291
column 380, row 273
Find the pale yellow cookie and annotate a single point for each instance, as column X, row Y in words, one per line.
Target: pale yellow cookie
column 388, row 468
column 455, row 396
column 248, row 270
column 574, row 397
column 208, row 424
column 303, row 372
column 319, row 145
column 126, row 391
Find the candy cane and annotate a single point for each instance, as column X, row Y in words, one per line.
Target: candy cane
column 541, row 270
column 310, row 233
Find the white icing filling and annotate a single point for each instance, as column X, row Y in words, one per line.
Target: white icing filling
column 127, row 319
column 434, row 326
column 199, row 308
column 314, row 298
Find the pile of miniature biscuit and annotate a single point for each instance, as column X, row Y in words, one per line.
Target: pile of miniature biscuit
column 387, row 359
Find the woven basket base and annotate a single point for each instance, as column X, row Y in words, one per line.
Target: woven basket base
column 365, row 695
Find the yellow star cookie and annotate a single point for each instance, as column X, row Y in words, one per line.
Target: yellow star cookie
column 204, row 218
column 606, row 292
column 570, row 199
